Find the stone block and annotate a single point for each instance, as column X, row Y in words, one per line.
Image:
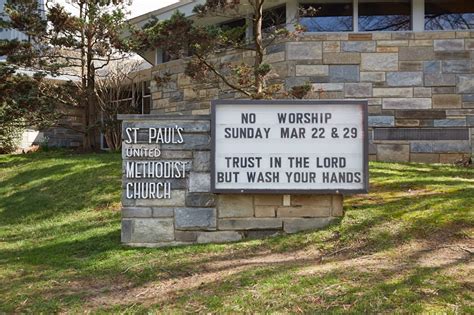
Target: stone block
column 392, row 43
column 274, row 58
column 461, row 122
column 235, row 206
column 258, row 234
column 312, row 70
column 176, row 155
column 341, row 58
column 432, row 66
column 358, row 90
column 468, row 97
column 407, row 123
column 200, row 200
column 265, row 211
column 374, row 77
column 358, row 46
column 441, row 147
column 443, row 90
column 199, row 182
column 360, row 36
column 448, row 44
column 343, row 73
column 410, row 66
column 450, row 158
column 440, row 79
column 332, row 46
column 136, row 212
column 420, row 134
column 326, row 87
column 393, row 92
column 446, row 101
column 293, row 225
column 381, row 121
column 421, row 92
column 195, row 218
column 456, row 66
column 268, row 200
column 304, row 50
column 420, row 42
column 465, row 83
column 311, row 200
column 393, row 152
column 161, row 212
column 177, row 199
column 451, row 55
column 186, row 236
column 406, row 103
column 304, row 211
column 250, row 224
column 147, row 230
column 218, row 237
column 421, row 114
column 405, row 78
column 416, row 53
column 295, row 81
column 424, row 157
column 379, row 61
column 337, row 206
column 202, row 161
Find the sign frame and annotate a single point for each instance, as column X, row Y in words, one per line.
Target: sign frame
column 363, row 103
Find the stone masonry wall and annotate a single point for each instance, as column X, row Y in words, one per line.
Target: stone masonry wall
column 194, row 214
column 420, row 87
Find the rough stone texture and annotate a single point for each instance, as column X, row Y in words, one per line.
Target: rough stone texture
column 235, row 206
column 341, row 58
column 265, row 211
column 268, row 200
column 379, row 62
column 195, row 218
column 424, row 157
column 327, row 87
column 159, row 212
column 202, row 161
column 147, row 230
column 407, row 103
column 393, row 92
column 357, row 90
column 466, row 83
column 441, row 147
column 393, row 152
column 450, row 122
column 448, row 44
column 199, row 182
column 218, row 237
column 304, row 211
column 177, row 199
column 304, row 50
column 381, row 121
column 249, row 224
column 312, row 70
column 294, row 225
column 311, row 200
column 447, row 101
column 337, row 206
column 404, row 78
column 200, row 200
column 374, row 77
column 136, row 212
column 343, row 73
column 358, row 46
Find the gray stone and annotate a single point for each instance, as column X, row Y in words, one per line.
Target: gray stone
column 441, row 147
column 404, row 78
column 439, row 79
column 408, row 134
column 147, row 230
column 160, row 212
column 304, row 224
column 406, row 103
column 393, row 92
column 341, row 58
column 199, row 182
column 432, row 66
column 186, row 236
column 202, row 161
column 200, row 200
column 195, row 218
column 235, row 206
column 358, row 89
column 328, row 87
column 189, row 126
column 304, row 50
column 261, row 233
column 372, row 76
column 393, row 152
column 451, row 55
column 343, row 73
column 177, row 199
column 457, row 66
column 358, row 46
column 191, row 142
column 218, row 237
column 448, row 44
column 468, row 97
column 470, row 121
column 379, row 61
column 449, row 123
column 416, row 53
column 466, row 83
column 381, row 121
column 295, row 81
column 136, row 212
column 276, row 48
column 311, row 70
column 250, row 224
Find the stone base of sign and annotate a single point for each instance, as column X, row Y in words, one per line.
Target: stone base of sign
column 193, row 214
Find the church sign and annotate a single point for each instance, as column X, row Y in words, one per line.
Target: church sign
column 289, row 146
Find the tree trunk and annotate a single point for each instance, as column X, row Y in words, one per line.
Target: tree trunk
column 257, row 33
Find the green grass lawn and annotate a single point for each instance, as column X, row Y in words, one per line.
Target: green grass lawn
column 405, row 247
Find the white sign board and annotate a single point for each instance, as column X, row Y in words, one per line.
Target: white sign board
column 289, row 146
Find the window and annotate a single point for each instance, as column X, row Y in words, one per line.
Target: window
column 384, row 15
column 274, row 18
column 327, row 17
column 449, row 15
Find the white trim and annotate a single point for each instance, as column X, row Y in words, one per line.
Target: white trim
column 292, row 10
column 418, row 15
column 355, row 16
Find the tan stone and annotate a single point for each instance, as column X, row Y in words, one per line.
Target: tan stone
column 332, row 46
column 189, row 94
column 372, row 76
column 421, row 42
column 268, row 200
column 446, row 101
column 235, row 206
column 379, row 61
column 265, row 211
column 411, row 65
column 276, row 57
column 312, row 70
column 360, row 36
column 393, row 92
column 424, row 157
column 422, row 92
column 435, row 35
column 383, row 49
column 450, row 157
column 407, row 123
column 177, row 199
column 306, row 211
column 249, row 224
column 392, row 43
column 311, row 200
column 341, row 58
column 337, row 206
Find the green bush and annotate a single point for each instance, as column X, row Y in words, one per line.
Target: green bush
column 9, row 138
